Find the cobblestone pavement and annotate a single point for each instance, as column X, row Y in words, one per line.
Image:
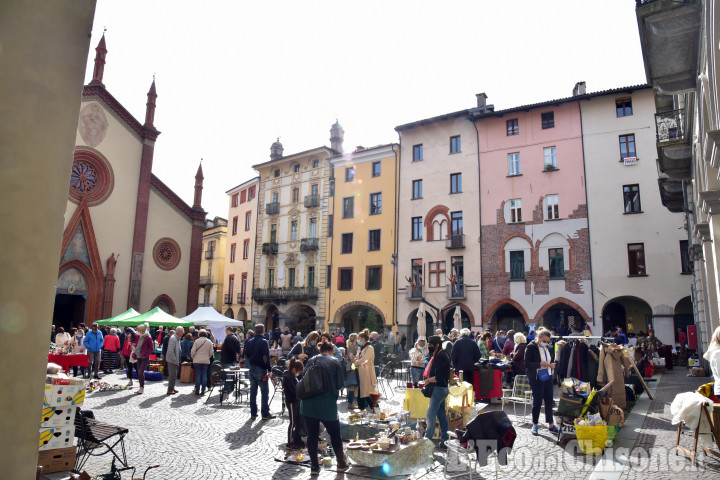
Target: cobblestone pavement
column 194, row 440
column 653, row 456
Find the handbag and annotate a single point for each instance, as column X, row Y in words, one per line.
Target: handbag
column 312, row 383
column 351, row 380
column 427, row 390
column 543, row 375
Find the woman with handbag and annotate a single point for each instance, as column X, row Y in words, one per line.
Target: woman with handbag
column 438, row 380
column 202, row 354
column 365, row 367
column 538, row 368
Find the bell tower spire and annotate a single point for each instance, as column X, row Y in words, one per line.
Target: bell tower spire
column 99, row 69
column 197, row 201
column 150, row 106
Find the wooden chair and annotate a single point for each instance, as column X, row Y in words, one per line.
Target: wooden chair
column 519, row 393
column 712, row 414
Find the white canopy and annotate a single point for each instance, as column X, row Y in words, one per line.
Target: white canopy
column 213, row 320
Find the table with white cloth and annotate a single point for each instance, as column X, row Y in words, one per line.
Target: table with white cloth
column 461, row 396
column 406, row 461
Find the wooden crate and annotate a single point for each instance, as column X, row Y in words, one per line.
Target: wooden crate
column 57, row 460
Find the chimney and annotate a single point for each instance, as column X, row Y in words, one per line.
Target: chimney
column 579, row 89
column 481, row 99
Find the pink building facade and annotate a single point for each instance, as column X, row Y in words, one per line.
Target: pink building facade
column 535, row 264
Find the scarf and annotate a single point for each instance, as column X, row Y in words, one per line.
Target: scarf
column 138, row 347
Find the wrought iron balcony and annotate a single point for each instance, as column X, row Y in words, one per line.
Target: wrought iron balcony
column 241, row 298
column 209, row 254
column 272, row 208
column 270, row 248
column 206, row 280
column 308, row 244
column 670, row 126
column 456, row 240
column 414, row 292
column 284, row 294
column 228, row 299
column 456, row 292
column 312, row 201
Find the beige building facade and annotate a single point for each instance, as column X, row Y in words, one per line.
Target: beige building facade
column 291, row 249
column 240, row 250
column 639, row 250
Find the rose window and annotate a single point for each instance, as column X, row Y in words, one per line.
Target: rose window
column 83, row 177
column 91, row 177
column 166, row 253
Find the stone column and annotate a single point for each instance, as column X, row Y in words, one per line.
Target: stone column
column 44, row 49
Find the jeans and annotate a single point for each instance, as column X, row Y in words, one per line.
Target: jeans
column 94, row 363
column 200, row 376
column 416, row 373
column 172, row 371
column 541, row 391
column 257, row 378
column 436, row 409
column 129, row 366
column 351, row 394
column 75, row 370
column 313, row 434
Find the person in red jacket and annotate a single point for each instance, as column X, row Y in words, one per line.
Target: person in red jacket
column 111, row 346
column 141, row 354
column 131, row 339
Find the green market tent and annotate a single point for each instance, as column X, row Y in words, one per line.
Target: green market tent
column 154, row 318
column 129, row 313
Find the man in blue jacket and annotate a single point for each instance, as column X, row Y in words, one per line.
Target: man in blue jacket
column 257, row 352
column 93, row 342
column 465, row 353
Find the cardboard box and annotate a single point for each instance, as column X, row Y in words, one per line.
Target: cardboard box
column 57, row 417
column 57, row 395
column 697, row 371
column 58, row 460
column 692, row 362
column 659, row 362
column 56, row 437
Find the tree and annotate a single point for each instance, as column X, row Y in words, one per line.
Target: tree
column 372, row 321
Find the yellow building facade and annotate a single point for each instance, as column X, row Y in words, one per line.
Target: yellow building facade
column 362, row 263
column 212, row 268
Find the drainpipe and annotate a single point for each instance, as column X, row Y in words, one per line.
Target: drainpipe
column 482, row 288
column 592, row 283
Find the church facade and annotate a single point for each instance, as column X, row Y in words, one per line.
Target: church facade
column 129, row 240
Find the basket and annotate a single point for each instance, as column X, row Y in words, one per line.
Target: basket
column 593, row 440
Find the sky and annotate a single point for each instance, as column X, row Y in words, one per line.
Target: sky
column 232, row 76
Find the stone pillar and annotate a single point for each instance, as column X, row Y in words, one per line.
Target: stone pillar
column 44, row 51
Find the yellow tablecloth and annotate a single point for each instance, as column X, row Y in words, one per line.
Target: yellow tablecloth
column 461, row 395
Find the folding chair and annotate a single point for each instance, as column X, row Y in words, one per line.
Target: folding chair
column 519, row 393
column 93, row 435
column 276, row 377
column 217, row 377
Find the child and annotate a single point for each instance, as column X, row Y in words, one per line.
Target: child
column 289, row 382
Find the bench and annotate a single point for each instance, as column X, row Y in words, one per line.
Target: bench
column 96, row 438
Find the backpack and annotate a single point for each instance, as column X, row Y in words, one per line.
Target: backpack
column 313, row 381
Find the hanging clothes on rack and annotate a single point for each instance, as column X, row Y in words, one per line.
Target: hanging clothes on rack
column 614, row 366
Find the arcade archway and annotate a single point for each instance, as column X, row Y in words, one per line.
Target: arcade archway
column 356, row 316
column 413, row 321
column 507, row 316
column 629, row 313
column 448, row 324
column 299, row 318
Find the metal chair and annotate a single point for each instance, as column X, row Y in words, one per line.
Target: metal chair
column 276, row 377
column 217, row 376
column 519, row 393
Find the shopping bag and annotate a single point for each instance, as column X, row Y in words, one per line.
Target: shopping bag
column 616, row 417
column 593, row 439
column 571, row 405
column 604, row 406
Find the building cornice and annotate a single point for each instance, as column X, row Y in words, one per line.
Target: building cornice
column 710, row 201
column 369, row 155
column 247, row 183
column 702, row 232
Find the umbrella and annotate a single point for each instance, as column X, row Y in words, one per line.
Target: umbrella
column 421, row 320
column 129, row 313
column 154, row 318
column 458, row 318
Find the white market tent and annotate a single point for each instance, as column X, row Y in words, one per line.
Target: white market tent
column 213, row 320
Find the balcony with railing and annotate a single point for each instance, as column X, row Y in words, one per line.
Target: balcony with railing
column 206, row 280
column 272, row 208
column 241, row 298
column 309, row 244
column 456, row 292
column 674, row 147
column 209, row 254
column 285, row 294
column 670, row 126
column 227, row 299
column 456, row 240
column 312, row 201
column 270, row 248
column 414, row 292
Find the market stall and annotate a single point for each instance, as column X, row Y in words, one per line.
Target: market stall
column 397, row 459
column 461, row 396
column 66, row 361
column 210, row 318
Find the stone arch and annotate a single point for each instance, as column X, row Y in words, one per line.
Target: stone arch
column 164, row 300
column 242, row 314
column 505, row 255
column 567, row 302
column 489, row 312
column 340, row 311
column 428, row 223
column 430, row 321
column 617, row 310
column 465, row 309
column 229, row 313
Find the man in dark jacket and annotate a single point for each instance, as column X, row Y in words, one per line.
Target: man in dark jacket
column 465, row 353
column 230, row 352
column 440, row 377
column 257, row 352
